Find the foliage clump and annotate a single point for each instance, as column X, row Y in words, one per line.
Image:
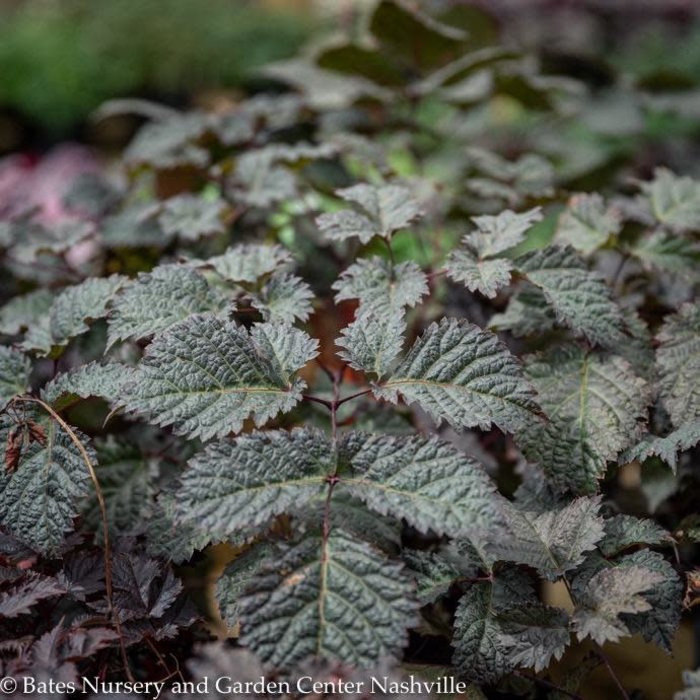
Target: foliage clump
column 404, row 379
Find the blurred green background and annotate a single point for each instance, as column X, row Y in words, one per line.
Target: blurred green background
column 60, row 59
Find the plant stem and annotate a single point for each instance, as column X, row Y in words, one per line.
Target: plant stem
column 364, row 392
column 392, row 259
column 623, row 693
column 103, row 516
column 338, row 402
column 616, row 278
column 435, row 273
column 318, row 400
column 325, row 369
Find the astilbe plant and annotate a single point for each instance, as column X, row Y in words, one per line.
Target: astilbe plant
column 399, row 375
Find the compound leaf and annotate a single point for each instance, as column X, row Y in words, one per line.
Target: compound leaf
column 527, row 313
column 27, row 592
column 372, row 342
column 665, row 448
column 370, row 280
column 659, row 612
column 552, row 542
column 237, row 577
column 429, row 483
column 40, row 498
column 205, row 376
column 580, row 298
column 624, row 531
column 376, row 211
column 497, row 234
column 609, row 594
column 435, row 572
column 127, row 480
column 14, row 374
column 238, row 485
column 466, row 376
column 333, row 597
column 666, row 251
column 678, row 361
column 595, row 404
column 75, row 307
column 500, row 625
column 284, row 297
column 587, row 224
column 174, row 541
column 104, row 381
column 22, row 312
column 156, row 300
column 248, row 262
column 287, row 348
column 191, row 217
column 674, row 201
column 484, row 276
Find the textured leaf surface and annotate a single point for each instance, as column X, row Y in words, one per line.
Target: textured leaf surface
column 429, row 483
column 670, row 252
column 609, row 594
column 660, row 624
column 26, row 593
column 335, row 598
column 75, row 307
column 127, row 480
column 659, row 619
column 674, row 201
column 14, row 374
column 497, row 234
column 191, row 217
column 23, row 311
column 148, row 599
column 238, row 485
column 238, row 576
column 678, row 360
column 249, row 262
column 484, row 276
column 500, row 625
column 286, row 347
column 580, row 298
column 527, row 313
column 259, row 181
column 377, row 211
column 159, row 299
column 595, row 405
column 624, row 531
column 435, row 572
column 372, row 342
column 284, row 297
column 552, row 542
column 666, row 448
column 105, row 381
column 371, row 282
column 587, row 223
column 206, row 376
column 40, row 499
column 466, row 376
column 175, row 542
